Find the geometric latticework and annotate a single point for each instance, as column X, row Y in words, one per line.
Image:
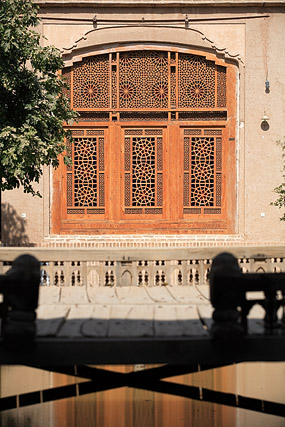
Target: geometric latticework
column 143, row 80
column 202, row 158
column 149, row 142
column 91, row 82
column 85, row 163
column 85, row 178
column 202, row 171
column 147, row 80
column 196, row 78
column 143, row 171
column 221, row 87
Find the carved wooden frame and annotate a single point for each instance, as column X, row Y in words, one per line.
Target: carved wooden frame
column 170, row 218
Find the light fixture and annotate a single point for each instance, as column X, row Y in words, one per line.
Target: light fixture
column 186, row 21
column 265, row 118
column 264, row 122
column 267, row 86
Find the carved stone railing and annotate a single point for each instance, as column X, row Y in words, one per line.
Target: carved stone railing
column 149, row 267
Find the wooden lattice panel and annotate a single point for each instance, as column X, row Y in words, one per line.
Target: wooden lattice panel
column 86, row 176
column 202, row 176
column 143, row 171
column 143, row 80
column 153, row 145
column 150, row 80
column 196, row 78
column 221, row 87
column 91, row 79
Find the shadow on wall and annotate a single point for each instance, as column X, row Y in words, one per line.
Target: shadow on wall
column 13, row 231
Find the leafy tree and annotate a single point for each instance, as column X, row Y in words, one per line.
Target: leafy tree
column 280, row 190
column 33, row 106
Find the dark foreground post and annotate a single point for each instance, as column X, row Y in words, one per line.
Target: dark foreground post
column 20, row 288
column 226, row 296
column 228, row 288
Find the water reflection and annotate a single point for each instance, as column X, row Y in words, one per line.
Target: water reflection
column 125, row 407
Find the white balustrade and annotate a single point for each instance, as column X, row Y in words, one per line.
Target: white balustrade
column 149, row 267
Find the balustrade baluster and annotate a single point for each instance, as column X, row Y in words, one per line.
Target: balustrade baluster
column 134, row 273
column 168, row 270
column 90, row 268
column 84, row 273
column 184, row 273
column 66, row 272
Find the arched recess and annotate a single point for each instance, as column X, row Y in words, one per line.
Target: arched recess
column 154, row 148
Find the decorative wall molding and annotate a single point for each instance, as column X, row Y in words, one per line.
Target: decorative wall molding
column 99, row 39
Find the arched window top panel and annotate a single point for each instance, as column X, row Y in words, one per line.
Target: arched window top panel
column 147, row 80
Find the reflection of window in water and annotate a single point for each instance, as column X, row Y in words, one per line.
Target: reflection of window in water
column 127, row 407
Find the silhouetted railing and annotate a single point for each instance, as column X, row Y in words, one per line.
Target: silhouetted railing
column 20, row 289
column 229, row 288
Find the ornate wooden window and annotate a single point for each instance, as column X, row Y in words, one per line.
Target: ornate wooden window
column 202, row 176
column 153, row 145
column 147, row 80
column 143, row 171
column 85, row 177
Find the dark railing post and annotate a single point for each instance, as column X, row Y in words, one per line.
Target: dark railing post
column 271, row 306
column 20, row 288
column 228, row 288
column 226, row 297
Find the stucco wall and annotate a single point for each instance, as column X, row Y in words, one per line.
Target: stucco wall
column 262, row 157
column 252, row 37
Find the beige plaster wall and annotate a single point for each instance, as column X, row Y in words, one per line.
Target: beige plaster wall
column 22, row 218
column 265, row 56
column 256, row 37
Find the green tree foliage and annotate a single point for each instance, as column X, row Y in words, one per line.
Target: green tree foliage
column 280, row 190
column 33, row 106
